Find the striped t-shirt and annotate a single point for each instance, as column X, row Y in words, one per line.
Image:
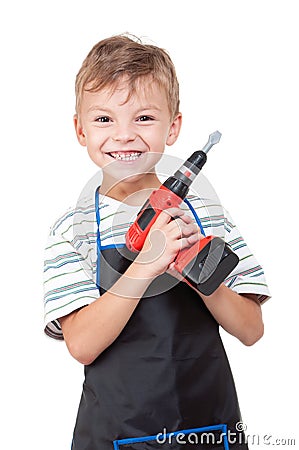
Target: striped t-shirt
column 70, row 271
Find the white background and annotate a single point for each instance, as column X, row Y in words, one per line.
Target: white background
column 237, row 62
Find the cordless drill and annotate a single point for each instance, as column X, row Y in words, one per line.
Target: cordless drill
column 204, row 265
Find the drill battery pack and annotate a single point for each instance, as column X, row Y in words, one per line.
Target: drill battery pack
column 206, row 264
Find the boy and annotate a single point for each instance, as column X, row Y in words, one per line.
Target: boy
column 153, row 355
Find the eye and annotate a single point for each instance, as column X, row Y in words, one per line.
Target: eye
column 145, row 118
column 103, row 119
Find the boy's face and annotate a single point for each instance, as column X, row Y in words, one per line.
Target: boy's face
column 126, row 138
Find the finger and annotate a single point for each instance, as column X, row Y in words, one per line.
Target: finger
column 178, row 228
column 186, row 219
column 182, row 221
column 190, row 229
column 174, row 212
column 194, row 238
column 188, row 241
column 167, row 215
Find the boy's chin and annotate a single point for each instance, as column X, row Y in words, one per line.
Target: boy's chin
column 126, row 174
column 123, row 178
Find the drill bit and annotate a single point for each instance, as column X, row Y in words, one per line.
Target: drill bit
column 214, row 138
column 193, row 165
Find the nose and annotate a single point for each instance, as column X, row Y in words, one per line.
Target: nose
column 124, row 133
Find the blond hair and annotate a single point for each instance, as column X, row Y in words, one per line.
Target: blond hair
column 122, row 56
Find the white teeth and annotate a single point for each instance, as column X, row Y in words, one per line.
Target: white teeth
column 124, row 157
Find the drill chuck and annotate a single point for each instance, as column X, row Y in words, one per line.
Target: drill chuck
column 193, row 165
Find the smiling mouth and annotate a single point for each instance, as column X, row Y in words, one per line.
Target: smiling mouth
column 125, row 156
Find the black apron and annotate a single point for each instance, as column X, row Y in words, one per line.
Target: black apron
column 165, row 383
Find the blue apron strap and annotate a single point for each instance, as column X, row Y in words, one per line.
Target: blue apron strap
column 195, row 216
column 97, row 210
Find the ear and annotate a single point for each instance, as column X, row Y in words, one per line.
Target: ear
column 174, row 129
column 79, row 130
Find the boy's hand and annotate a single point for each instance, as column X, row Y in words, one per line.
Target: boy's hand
column 165, row 239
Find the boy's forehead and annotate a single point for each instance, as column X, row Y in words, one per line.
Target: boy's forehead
column 145, row 90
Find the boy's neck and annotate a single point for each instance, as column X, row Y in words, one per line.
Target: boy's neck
column 133, row 193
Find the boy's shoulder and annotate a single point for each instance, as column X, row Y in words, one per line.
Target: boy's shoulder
column 75, row 219
column 79, row 222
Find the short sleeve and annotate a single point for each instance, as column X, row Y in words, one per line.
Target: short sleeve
column 248, row 277
column 69, row 270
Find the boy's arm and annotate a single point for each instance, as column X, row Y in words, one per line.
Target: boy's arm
column 239, row 314
column 91, row 329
